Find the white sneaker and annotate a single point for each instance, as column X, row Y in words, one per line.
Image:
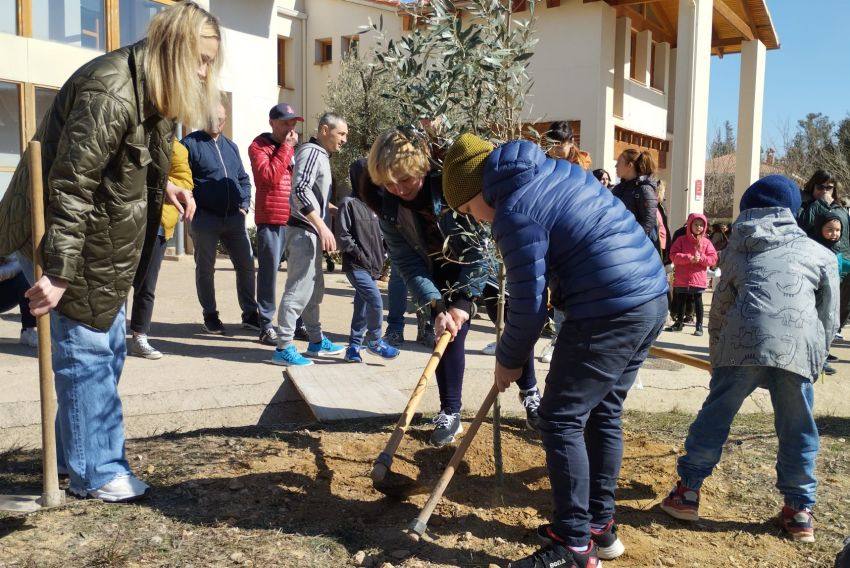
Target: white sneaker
column 489, row 349
column 140, row 347
column 29, row 337
column 546, row 356
column 122, row 489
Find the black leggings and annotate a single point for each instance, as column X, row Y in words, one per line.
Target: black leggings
column 683, row 296
column 12, row 294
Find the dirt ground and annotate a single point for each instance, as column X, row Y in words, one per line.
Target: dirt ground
column 302, row 497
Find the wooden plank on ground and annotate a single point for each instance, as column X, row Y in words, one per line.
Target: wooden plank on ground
column 337, row 392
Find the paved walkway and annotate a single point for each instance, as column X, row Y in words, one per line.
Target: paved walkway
column 211, row 381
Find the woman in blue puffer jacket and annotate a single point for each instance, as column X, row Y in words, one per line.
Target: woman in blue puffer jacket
column 556, row 226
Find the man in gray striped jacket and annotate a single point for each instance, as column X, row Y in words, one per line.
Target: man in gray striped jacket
column 308, row 235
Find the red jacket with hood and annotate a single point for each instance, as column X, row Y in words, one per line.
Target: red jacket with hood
column 272, row 166
column 689, row 274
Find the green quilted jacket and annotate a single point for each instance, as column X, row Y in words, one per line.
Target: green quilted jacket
column 105, row 158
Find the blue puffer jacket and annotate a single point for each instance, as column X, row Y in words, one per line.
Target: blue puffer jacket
column 556, row 225
column 221, row 185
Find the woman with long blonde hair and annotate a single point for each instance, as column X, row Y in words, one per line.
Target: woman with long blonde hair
column 106, row 145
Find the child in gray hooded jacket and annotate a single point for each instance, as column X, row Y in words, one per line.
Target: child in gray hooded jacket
column 772, row 318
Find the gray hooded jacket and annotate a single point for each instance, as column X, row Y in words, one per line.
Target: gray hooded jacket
column 777, row 301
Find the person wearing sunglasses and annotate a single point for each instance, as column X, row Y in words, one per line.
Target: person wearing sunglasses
column 821, row 196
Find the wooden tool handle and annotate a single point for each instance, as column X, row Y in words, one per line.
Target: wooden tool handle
column 51, row 496
column 680, row 358
column 384, row 460
column 420, row 523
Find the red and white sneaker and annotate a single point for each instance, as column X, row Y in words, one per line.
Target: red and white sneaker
column 799, row 523
column 682, row 503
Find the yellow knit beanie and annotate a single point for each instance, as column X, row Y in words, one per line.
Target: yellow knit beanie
column 463, row 168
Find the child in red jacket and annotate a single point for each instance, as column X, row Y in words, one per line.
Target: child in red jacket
column 691, row 254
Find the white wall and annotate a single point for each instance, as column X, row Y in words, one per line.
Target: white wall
column 644, row 109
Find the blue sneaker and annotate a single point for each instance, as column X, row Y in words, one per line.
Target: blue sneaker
column 352, row 354
column 290, row 357
column 382, row 349
column 324, row 347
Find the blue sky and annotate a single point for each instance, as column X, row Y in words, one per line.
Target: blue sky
column 808, row 73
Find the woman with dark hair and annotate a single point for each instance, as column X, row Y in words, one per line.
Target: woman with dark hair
column 637, row 189
column 603, row 176
column 821, row 195
column 562, row 145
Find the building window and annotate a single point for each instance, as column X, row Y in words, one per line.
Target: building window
column 350, row 45
column 324, row 50
column 281, row 62
column 73, row 22
column 8, row 16
column 43, row 101
column 134, row 16
column 10, row 131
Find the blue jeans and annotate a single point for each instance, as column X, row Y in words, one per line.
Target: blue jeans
column 594, row 364
column 90, row 421
column 207, row 231
column 368, row 315
column 793, row 399
column 270, row 243
column 397, row 301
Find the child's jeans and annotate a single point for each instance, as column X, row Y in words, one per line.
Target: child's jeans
column 793, row 399
column 368, row 316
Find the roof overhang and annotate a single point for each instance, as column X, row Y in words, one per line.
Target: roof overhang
column 734, row 22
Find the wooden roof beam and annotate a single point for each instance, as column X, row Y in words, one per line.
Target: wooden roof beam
column 727, row 13
column 640, row 22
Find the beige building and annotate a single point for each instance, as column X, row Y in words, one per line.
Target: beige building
column 626, row 73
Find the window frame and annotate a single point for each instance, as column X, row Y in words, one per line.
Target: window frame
column 111, row 13
column 347, row 42
column 321, row 45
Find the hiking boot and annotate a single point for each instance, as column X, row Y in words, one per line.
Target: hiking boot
column 548, row 351
column 608, row 545
column 394, row 338
column 560, row 556
column 324, row 347
column 682, row 503
column 301, row 334
column 213, row 325
column 122, row 489
column 251, row 322
column 140, row 347
column 29, row 337
column 352, row 354
column 268, row 336
column 448, row 426
column 290, row 357
column 799, row 523
column 489, row 349
column 530, row 399
column 678, row 326
column 698, row 330
column 382, row 349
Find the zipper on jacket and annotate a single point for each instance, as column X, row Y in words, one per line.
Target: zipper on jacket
column 226, row 189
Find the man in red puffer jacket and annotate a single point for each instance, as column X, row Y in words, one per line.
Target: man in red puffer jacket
column 271, row 155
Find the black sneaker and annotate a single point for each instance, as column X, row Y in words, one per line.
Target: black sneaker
column 448, row 426
column 678, row 326
column 608, row 545
column 559, row 556
column 394, row 338
column 213, row 325
column 268, row 336
column 828, row 369
column 530, row 399
column 301, row 334
column 251, row 322
column 832, row 358
column 698, row 330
